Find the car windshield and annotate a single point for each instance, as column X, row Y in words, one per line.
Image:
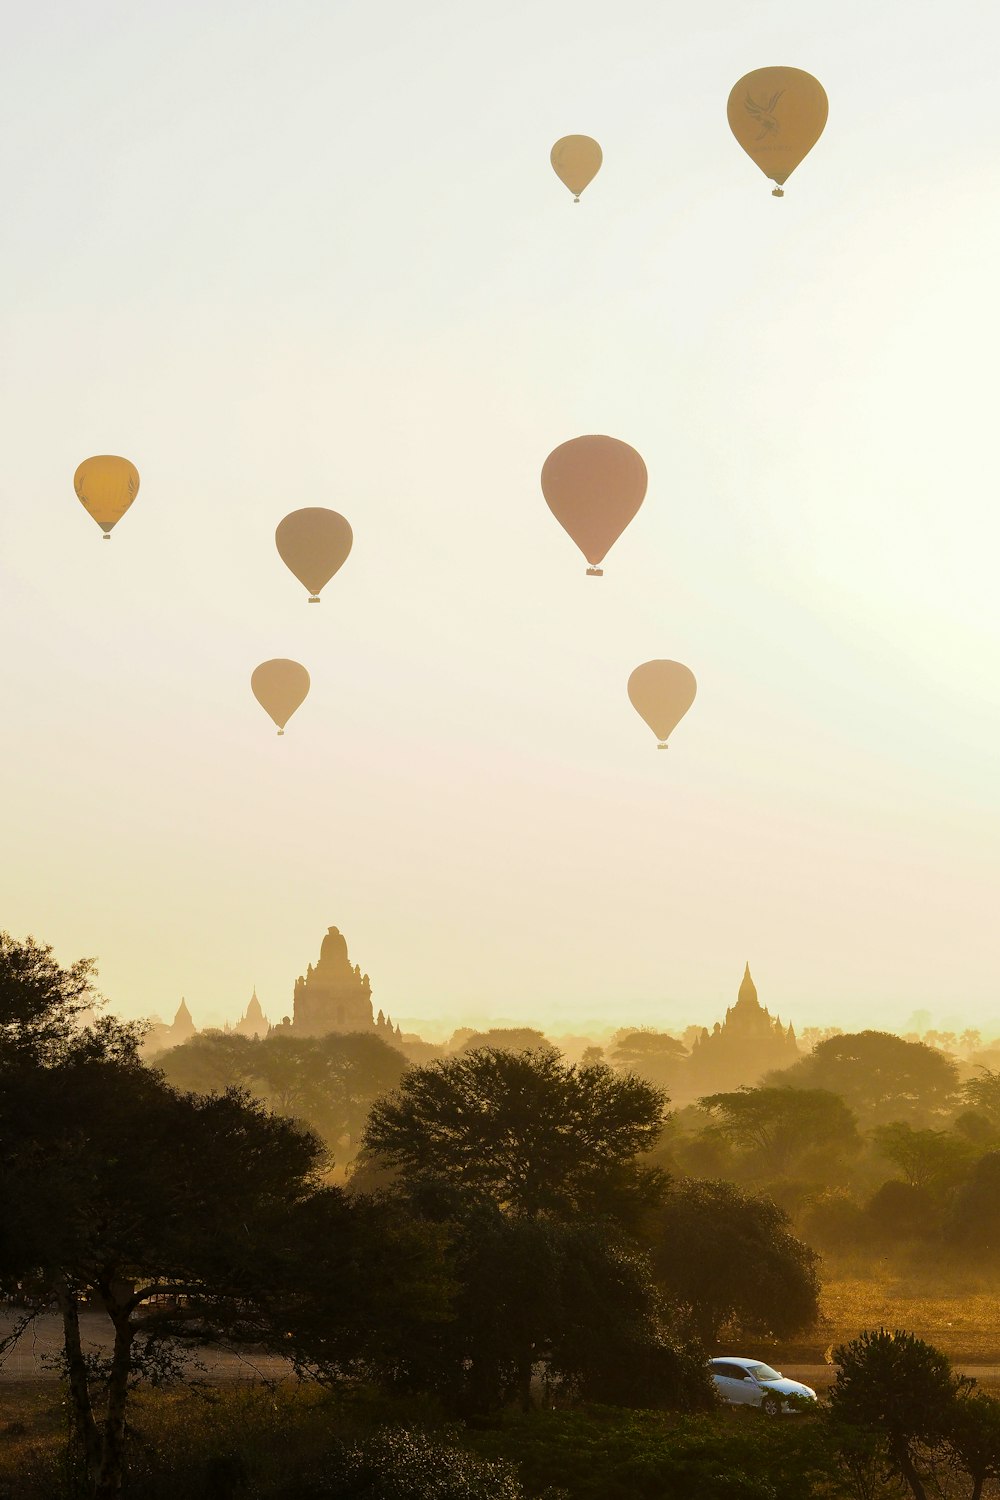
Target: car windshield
column 764, row 1372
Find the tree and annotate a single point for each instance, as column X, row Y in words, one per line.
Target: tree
column 541, row 1294
column 328, row 1082
column 504, row 1039
column 729, row 1257
column 879, row 1076
column 526, row 1132
column 774, row 1128
column 655, row 1055
column 927, row 1158
column 528, row 1164
column 120, row 1190
column 972, row 1438
column 975, row 1216
column 983, row 1095
column 898, row 1388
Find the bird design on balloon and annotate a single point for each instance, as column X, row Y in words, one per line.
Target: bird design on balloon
column 764, row 113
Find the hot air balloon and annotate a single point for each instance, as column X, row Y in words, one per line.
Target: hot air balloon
column 594, row 486
column 279, row 687
column 106, row 487
column 661, row 693
column 313, row 543
column 777, row 115
column 576, row 160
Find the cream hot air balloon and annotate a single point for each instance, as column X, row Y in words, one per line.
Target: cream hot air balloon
column 279, row 687
column 106, row 486
column 777, row 115
column 313, row 543
column 576, row 161
column 594, row 486
column 661, row 693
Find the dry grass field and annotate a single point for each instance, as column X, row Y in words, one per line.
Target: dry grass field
column 963, row 1320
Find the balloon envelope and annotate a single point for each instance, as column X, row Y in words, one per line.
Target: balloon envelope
column 576, row 160
column 106, row 486
column 594, row 486
column 661, row 693
column 279, row 687
column 777, row 115
column 313, row 543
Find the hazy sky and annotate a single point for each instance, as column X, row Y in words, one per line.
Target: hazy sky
column 299, row 253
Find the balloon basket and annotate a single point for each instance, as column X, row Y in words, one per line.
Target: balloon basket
column 107, row 536
column 576, row 200
column 595, row 572
column 281, row 731
column 777, row 192
column 663, row 745
column 313, row 598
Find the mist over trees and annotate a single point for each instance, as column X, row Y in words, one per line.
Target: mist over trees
column 493, row 1229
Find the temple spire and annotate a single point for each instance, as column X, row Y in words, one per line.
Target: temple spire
column 748, row 990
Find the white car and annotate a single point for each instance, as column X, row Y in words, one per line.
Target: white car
column 747, row 1382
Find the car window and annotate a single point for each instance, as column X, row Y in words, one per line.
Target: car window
column 729, row 1372
column 764, row 1372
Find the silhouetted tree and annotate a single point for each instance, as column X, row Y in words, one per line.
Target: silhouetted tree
column 982, row 1093
column 524, row 1131
column 975, row 1217
column 729, row 1257
column 655, row 1055
column 927, row 1158
column 901, row 1390
column 528, row 1164
column 328, row 1082
column 879, row 1076
column 972, row 1439
column 119, row 1190
column 775, row 1127
column 505, row 1039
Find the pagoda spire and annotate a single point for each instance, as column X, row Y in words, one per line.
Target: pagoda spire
column 748, row 990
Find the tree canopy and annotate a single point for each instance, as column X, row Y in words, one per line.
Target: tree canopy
column 527, row 1132
column 879, row 1076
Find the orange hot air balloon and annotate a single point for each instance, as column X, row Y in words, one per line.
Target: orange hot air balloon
column 106, row 487
column 279, row 687
column 661, row 693
column 777, row 115
column 594, row 486
column 313, row 543
column 576, row 160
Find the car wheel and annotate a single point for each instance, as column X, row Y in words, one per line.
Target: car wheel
column 771, row 1406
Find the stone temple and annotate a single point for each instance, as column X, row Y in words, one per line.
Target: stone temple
column 747, row 1044
column 335, row 995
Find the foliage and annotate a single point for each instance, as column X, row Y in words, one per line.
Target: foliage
column 603, row 1454
column 655, row 1055
column 526, row 1132
column 983, row 1095
column 879, row 1076
column 729, row 1257
column 975, row 1217
column 776, row 1127
column 400, row 1464
column 901, row 1390
column 927, row 1158
column 329, row 1082
column 505, row 1039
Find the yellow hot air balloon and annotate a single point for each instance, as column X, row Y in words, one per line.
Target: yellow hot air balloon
column 661, row 693
column 576, row 160
column 593, row 486
column 106, row 487
column 279, row 687
column 777, row 115
column 313, row 543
